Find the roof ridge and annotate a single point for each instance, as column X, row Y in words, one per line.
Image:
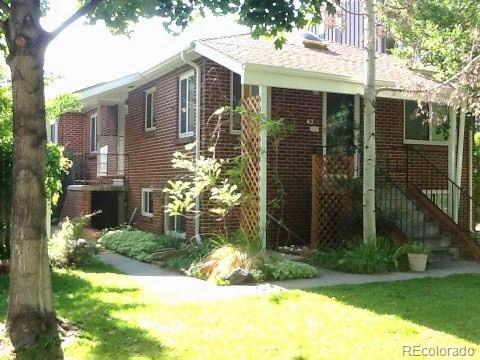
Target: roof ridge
column 223, row 37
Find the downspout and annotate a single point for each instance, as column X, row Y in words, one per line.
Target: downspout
column 459, row 163
column 198, row 73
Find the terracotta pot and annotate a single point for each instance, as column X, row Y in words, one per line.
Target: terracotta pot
column 417, row 262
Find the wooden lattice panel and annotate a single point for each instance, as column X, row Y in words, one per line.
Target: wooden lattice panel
column 250, row 145
column 331, row 199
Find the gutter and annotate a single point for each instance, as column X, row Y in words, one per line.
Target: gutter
column 198, row 73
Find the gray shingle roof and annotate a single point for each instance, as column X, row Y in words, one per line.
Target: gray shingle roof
column 343, row 60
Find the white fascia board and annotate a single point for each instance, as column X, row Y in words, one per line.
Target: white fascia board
column 165, row 66
column 256, row 74
column 219, row 58
column 109, row 86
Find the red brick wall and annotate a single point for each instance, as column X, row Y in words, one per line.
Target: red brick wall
column 150, row 153
column 77, row 203
column 293, row 170
column 71, row 129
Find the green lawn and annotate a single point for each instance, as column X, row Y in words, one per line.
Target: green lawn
column 374, row 321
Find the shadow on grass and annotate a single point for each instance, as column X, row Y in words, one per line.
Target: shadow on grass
column 445, row 304
column 78, row 301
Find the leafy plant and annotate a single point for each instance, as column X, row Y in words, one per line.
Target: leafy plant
column 137, row 244
column 287, row 269
column 67, row 248
column 363, row 258
column 415, row 248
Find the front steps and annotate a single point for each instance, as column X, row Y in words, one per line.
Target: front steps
column 416, row 225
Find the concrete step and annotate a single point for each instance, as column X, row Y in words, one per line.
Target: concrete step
column 444, row 254
column 421, row 230
column 438, row 242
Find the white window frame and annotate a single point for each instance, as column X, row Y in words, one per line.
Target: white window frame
column 430, row 130
column 93, row 150
column 146, row 213
column 54, row 134
column 166, row 221
column 182, row 77
column 151, row 92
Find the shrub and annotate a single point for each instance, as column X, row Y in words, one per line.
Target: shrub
column 66, row 247
column 363, row 258
column 222, row 261
column 137, row 244
column 287, row 269
column 195, row 254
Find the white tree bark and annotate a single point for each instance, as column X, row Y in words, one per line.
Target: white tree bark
column 369, row 155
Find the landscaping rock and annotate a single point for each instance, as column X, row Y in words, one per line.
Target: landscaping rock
column 167, row 254
column 239, row 276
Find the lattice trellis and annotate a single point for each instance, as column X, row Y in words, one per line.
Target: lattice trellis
column 250, row 144
column 332, row 199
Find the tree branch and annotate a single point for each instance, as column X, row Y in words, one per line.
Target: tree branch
column 85, row 9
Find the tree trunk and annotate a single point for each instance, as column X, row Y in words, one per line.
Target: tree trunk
column 369, row 156
column 31, row 313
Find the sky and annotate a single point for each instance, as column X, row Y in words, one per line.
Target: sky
column 84, row 55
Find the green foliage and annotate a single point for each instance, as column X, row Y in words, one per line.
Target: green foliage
column 263, row 17
column 415, row 248
column 61, row 104
column 441, row 35
column 200, row 177
column 67, row 247
column 194, row 255
column 136, row 244
column 287, row 269
column 363, row 258
column 57, row 167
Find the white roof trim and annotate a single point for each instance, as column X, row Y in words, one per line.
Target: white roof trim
column 218, row 57
column 109, row 86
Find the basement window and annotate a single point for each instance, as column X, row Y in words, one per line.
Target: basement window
column 150, row 109
column 187, row 104
column 147, row 202
column 422, row 123
column 175, row 225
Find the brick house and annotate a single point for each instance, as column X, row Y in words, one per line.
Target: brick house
column 123, row 142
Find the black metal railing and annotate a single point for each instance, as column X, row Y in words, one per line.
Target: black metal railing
column 401, row 169
column 93, row 168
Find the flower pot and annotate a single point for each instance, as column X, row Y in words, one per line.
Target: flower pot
column 417, row 262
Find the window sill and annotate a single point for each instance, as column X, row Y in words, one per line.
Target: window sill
column 184, row 140
column 424, row 142
column 150, row 129
column 176, row 235
column 147, row 215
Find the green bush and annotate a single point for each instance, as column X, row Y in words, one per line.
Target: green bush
column 196, row 253
column 137, row 244
column 362, row 258
column 67, row 248
column 287, row 269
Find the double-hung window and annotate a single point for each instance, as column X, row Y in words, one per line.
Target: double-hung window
column 422, row 123
column 150, row 109
column 147, row 202
column 187, row 108
column 175, row 225
column 54, row 133
column 93, row 134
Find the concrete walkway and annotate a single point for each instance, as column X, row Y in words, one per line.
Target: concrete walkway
column 172, row 286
